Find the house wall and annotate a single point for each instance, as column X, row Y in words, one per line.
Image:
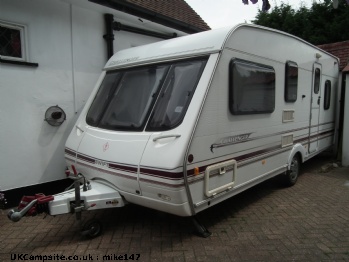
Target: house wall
column 67, row 42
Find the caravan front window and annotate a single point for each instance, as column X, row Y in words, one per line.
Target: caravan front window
column 124, row 98
column 128, row 97
column 176, row 95
column 104, row 95
column 252, row 88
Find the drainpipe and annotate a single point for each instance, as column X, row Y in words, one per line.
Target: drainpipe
column 344, row 120
column 109, row 36
column 117, row 26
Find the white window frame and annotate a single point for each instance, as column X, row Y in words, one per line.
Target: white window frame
column 22, row 29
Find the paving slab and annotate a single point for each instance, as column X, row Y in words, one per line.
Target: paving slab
column 309, row 221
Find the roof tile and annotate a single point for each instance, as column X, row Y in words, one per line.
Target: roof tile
column 340, row 50
column 175, row 9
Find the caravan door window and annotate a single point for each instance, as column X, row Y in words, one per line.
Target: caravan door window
column 291, row 81
column 327, row 99
column 126, row 98
column 317, row 80
column 252, row 88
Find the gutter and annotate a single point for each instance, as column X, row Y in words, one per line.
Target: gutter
column 111, row 25
column 132, row 9
column 118, row 27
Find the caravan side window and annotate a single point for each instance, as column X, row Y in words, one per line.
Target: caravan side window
column 291, row 81
column 251, row 88
column 327, row 99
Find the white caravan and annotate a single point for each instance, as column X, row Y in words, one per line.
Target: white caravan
column 183, row 124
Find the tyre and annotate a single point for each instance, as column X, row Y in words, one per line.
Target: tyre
column 292, row 174
column 92, row 228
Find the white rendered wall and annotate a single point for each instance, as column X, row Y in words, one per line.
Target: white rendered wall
column 67, row 42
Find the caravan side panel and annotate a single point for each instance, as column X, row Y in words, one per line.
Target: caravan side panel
column 260, row 144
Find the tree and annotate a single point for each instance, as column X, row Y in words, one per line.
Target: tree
column 320, row 24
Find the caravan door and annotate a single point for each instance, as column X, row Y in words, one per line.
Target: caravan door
column 315, row 109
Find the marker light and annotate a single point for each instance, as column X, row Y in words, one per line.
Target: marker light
column 196, row 171
column 74, row 170
column 164, row 197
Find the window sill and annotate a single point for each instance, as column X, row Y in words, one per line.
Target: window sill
column 5, row 61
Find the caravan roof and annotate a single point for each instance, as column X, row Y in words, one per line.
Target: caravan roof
column 207, row 42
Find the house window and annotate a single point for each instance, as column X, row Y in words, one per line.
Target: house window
column 291, row 81
column 12, row 41
column 251, row 88
column 327, row 99
column 317, row 80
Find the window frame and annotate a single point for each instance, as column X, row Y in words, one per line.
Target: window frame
column 22, row 30
column 24, row 59
column 231, row 87
column 317, row 80
column 286, row 94
column 327, row 94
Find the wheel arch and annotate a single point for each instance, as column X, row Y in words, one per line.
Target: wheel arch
column 298, row 149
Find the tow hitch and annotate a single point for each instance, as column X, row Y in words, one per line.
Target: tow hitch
column 30, row 206
column 91, row 195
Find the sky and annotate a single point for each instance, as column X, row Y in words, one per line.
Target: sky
column 220, row 13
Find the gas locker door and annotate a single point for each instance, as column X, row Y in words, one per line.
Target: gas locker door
column 219, row 177
column 315, row 109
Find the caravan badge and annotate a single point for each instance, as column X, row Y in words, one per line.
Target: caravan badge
column 101, row 162
column 105, row 147
column 230, row 140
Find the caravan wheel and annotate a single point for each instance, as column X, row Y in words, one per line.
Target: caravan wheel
column 292, row 174
column 92, row 228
